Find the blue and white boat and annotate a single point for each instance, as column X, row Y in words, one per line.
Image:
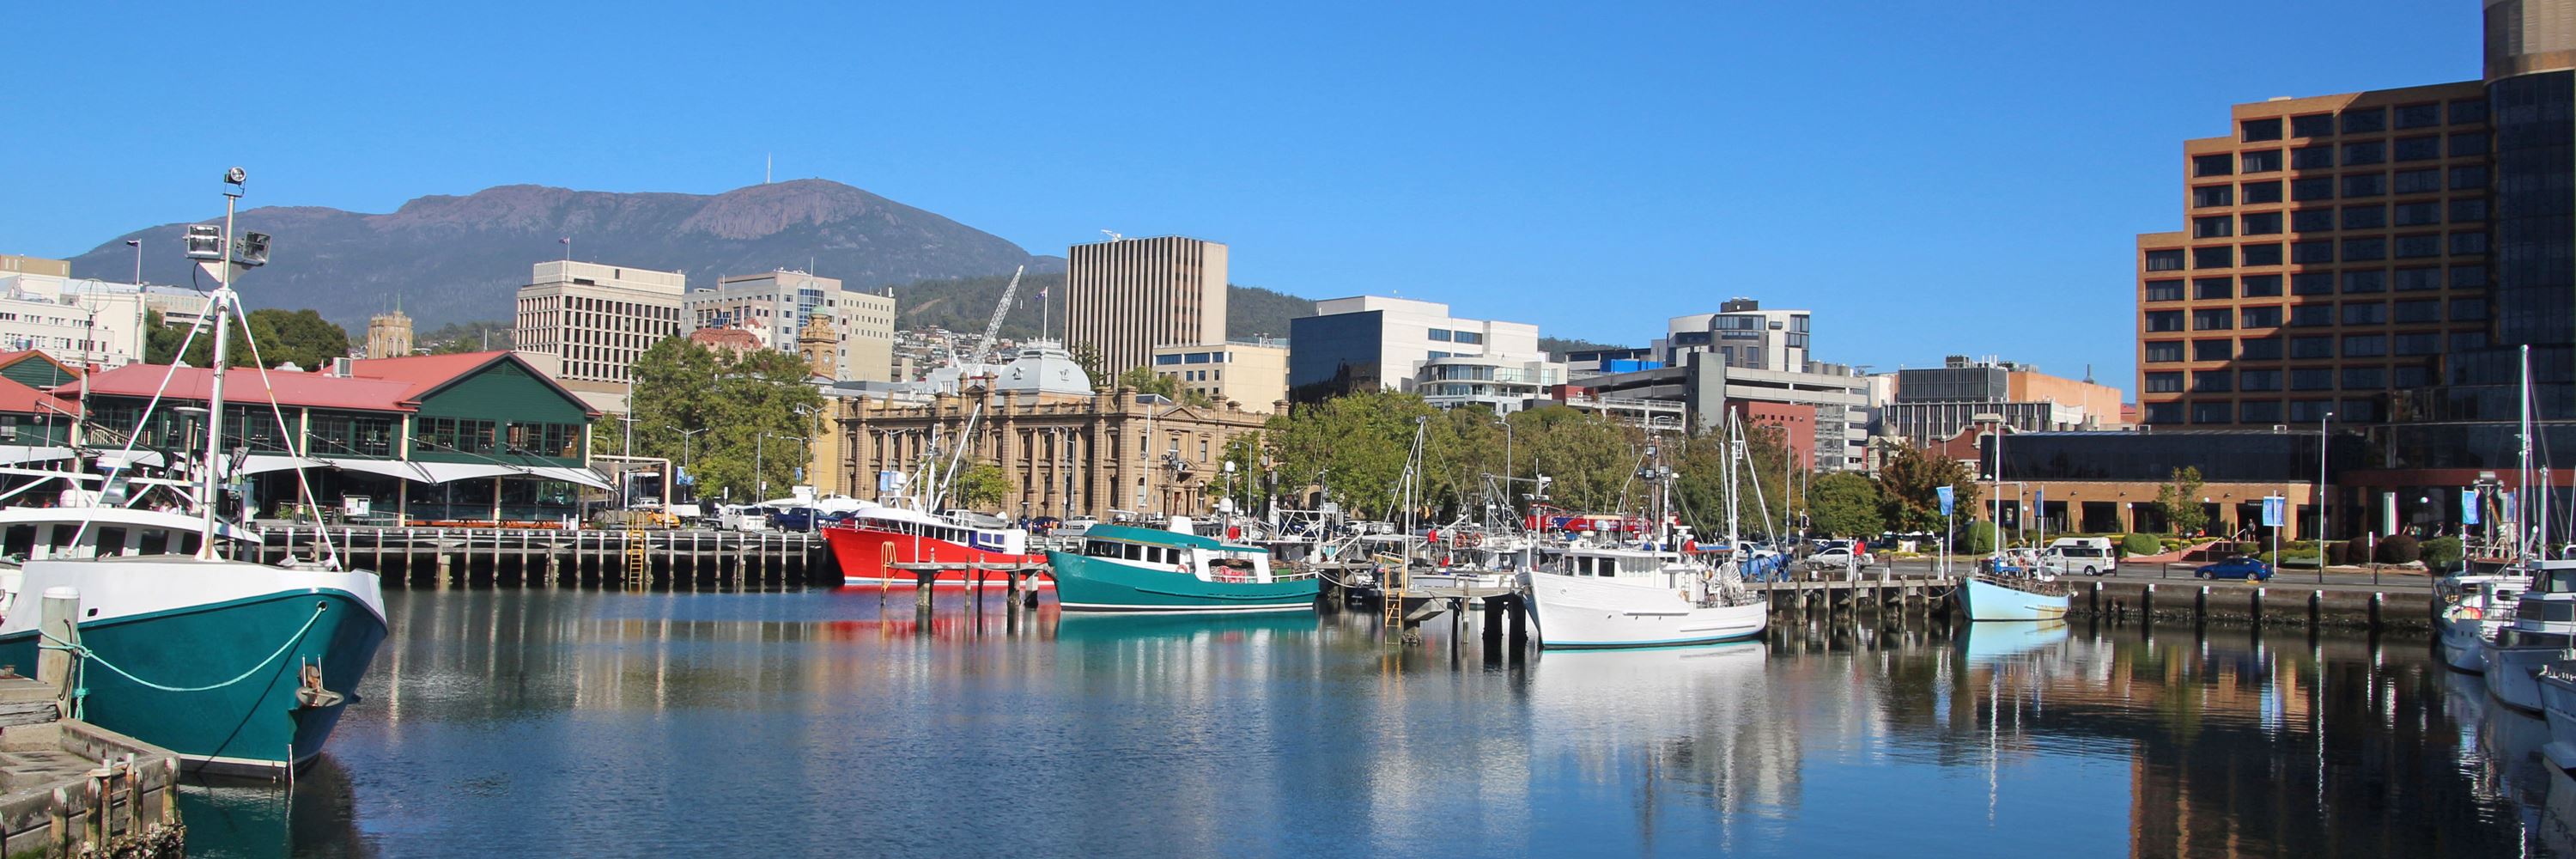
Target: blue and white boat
column 1991, row 596
column 239, row 667
column 1147, row 570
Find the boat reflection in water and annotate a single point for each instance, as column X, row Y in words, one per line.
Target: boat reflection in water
column 1695, row 738
column 240, row 821
column 2007, row 641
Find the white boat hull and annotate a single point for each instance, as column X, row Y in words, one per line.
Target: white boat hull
column 2513, row 674
column 2464, row 644
column 2558, row 705
column 1986, row 601
column 1584, row 613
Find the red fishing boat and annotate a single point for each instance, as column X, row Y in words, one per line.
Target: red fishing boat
column 859, row 545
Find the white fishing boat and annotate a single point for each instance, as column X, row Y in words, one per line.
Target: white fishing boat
column 1600, row 597
column 2473, row 609
column 2558, row 705
column 238, row 667
column 2543, row 631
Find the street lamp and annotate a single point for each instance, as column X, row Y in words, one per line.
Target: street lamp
column 686, row 461
column 137, row 245
column 2324, row 508
column 759, row 453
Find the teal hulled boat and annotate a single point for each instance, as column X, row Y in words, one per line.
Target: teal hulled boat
column 1128, row 569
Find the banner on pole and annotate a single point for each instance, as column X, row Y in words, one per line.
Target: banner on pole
column 2275, row 510
column 1946, row 495
column 2468, row 507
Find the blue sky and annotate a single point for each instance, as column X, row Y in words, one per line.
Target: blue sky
column 1930, row 178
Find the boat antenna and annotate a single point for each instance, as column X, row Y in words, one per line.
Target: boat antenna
column 217, row 305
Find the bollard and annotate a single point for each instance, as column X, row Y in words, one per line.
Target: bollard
column 2374, row 610
column 2258, row 606
column 921, row 589
column 2316, row 609
column 2200, row 605
column 59, row 617
column 2147, row 603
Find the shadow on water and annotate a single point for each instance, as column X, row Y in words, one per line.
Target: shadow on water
column 844, row 721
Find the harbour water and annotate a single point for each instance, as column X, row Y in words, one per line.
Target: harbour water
column 562, row 723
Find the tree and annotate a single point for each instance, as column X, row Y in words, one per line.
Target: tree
column 1087, row 357
column 1909, row 486
column 302, row 337
column 456, row 337
column 1145, row 381
column 980, row 486
column 2180, row 502
column 1845, row 504
column 756, row 410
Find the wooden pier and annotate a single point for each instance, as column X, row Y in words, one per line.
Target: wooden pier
column 2392, row 606
column 541, row 557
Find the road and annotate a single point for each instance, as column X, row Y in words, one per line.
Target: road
column 2339, row 577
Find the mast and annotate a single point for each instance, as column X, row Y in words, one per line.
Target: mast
column 218, row 304
column 2522, row 469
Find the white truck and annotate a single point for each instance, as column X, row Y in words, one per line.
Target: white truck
column 2092, row 556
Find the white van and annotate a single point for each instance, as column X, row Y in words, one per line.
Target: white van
column 2092, row 556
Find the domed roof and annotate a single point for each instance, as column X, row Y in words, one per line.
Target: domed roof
column 1041, row 367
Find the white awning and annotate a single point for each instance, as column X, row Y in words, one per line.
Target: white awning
column 122, row 459
column 583, row 476
column 386, row 467
column 15, row 455
column 259, row 463
column 450, row 472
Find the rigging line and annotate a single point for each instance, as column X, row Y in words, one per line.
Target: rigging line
column 321, row 529
column 125, row 456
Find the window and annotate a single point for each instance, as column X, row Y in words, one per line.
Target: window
column 2259, row 349
column 2312, row 158
column 2409, row 377
column 1470, row 337
column 2312, row 283
column 2263, row 192
column 2425, row 181
column 2365, row 249
column 2218, row 256
column 2212, row 227
column 2468, row 309
column 2364, row 378
column 2424, row 115
column 2472, row 178
column 2365, row 217
column 2365, row 313
column 2369, row 280
column 2212, row 350
column 2364, row 152
column 2468, row 210
column 2416, row 343
column 2160, row 413
column 2164, row 320
column 2262, row 129
column 2261, row 286
column 2262, row 223
column 2309, row 411
column 2262, row 412
column 2312, row 188
column 2365, row 345
column 2417, row 247
column 2468, row 110
column 2259, row 380
column 2416, row 279
column 2320, row 124
column 2261, row 161
column 2312, row 251
column 2213, row 319
column 2263, row 254
column 2468, row 143
column 2164, row 351
column 2412, row 214
column 2311, row 220
column 2423, row 148
column 2260, row 317
column 2365, row 184
column 2212, row 165
column 2307, row 315
column 2312, row 379
column 2163, row 383
column 1440, row 335
column 2468, row 242
column 2206, row 196
column 2462, row 341
column 1167, row 359
column 2365, row 119
column 2208, row 288
column 2164, row 260
column 2212, row 413
column 2468, row 276
column 2164, row 290
column 2213, row 382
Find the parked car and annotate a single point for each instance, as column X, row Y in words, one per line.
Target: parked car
column 2239, row 567
column 1835, row 557
column 638, row 518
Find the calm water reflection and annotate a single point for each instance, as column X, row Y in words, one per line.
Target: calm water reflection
column 834, row 723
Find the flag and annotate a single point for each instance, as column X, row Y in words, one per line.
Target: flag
column 565, row 240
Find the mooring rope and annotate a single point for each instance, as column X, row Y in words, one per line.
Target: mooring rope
column 84, row 654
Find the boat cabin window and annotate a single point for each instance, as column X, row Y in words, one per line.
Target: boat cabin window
column 155, row 542
column 2554, row 610
column 19, row 541
column 60, row 536
column 111, row 541
column 190, row 542
column 1100, row 549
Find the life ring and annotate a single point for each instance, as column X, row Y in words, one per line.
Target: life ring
column 1470, row 539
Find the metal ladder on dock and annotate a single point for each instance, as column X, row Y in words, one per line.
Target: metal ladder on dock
column 1391, row 587
column 638, row 561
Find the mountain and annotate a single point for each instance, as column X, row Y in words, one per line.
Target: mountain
column 459, row 259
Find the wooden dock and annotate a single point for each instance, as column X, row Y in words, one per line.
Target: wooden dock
column 543, row 557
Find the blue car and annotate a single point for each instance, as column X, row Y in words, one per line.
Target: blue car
column 2239, row 567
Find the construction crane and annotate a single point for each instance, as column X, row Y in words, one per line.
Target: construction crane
column 983, row 353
